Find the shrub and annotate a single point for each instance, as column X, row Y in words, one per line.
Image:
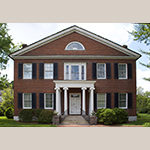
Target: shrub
column 36, row 114
column 121, row 115
column 26, row 115
column 147, row 124
column 99, row 111
column 9, row 113
column 46, row 116
column 1, row 112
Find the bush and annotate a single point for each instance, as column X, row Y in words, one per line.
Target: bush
column 1, row 112
column 26, row 115
column 46, row 116
column 121, row 115
column 147, row 124
column 36, row 114
column 9, row 113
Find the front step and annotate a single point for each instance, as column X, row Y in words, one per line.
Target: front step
column 74, row 120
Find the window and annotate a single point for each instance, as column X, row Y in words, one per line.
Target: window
column 75, row 71
column 27, row 100
column 122, row 100
column 27, row 71
column 101, row 100
column 48, row 71
column 48, row 100
column 101, row 71
column 74, row 46
column 122, row 71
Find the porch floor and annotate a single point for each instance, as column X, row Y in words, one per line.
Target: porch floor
column 74, row 120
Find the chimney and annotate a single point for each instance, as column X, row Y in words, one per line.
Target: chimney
column 24, row 45
column 125, row 46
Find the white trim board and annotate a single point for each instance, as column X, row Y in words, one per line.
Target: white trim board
column 80, row 31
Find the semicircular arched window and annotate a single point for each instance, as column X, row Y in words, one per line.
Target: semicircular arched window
column 75, row 46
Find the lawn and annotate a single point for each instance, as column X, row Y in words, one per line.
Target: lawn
column 4, row 122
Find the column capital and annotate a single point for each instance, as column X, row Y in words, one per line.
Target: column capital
column 83, row 88
column 57, row 88
column 65, row 88
column 92, row 88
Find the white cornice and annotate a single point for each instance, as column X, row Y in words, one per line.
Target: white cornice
column 74, row 57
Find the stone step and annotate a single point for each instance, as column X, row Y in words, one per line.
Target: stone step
column 74, row 120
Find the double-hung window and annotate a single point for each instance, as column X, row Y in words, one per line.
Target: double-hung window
column 122, row 71
column 101, row 100
column 122, row 100
column 27, row 71
column 48, row 71
column 101, row 71
column 27, row 100
column 48, row 100
column 75, row 71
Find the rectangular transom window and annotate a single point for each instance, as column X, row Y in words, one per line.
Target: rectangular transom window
column 122, row 100
column 27, row 71
column 101, row 100
column 122, row 71
column 101, row 71
column 48, row 100
column 27, row 100
column 75, row 71
column 48, row 71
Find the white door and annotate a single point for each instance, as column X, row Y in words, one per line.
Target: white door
column 75, row 103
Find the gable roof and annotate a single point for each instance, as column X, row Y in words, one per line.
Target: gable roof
column 81, row 31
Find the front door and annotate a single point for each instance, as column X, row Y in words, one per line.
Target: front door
column 75, row 103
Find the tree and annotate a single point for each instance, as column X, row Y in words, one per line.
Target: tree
column 4, row 82
column 6, row 45
column 141, row 33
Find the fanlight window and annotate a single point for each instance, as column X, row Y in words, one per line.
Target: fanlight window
column 74, row 46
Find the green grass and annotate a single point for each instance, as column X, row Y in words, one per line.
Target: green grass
column 142, row 120
column 4, row 122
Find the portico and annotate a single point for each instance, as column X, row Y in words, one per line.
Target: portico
column 62, row 86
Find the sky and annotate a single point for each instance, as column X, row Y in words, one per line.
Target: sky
column 28, row 33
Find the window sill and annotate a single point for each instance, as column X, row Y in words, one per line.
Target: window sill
column 27, row 107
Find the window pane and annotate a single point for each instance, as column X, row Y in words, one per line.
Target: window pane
column 67, row 72
column 49, row 100
column 48, row 71
column 74, row 72
column 75, row 46
column 122, row 100
column 101, row 101
column 82, row 72
column 101, row 70
column 122, row 70
column 27, row 100
column 27, row 71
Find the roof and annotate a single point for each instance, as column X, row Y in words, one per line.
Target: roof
column 129, row 52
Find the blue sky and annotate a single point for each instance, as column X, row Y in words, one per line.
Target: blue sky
column 117, row 32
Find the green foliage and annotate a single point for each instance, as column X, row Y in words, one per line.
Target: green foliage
column 7, row 98
column 147, row 124
column 26, row 115
column 9, row 113
column 46, row 116
column 36, row 113
column 4, row 82
column 1, row 112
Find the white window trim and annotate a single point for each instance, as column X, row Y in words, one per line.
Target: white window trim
column 74, row 49
column 105, row 101
column 126, row 101
column 23, row 71
column 53, row 72
column 104, row 70
column 45, row 101
column 126, row 71
column 23, row 101
column 80, row 70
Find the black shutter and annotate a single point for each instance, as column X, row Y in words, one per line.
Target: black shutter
column 116, row 99
column 95, row 101
column 19, row 100
column 129, row 100
column 129, row 71
column 41, row 71
column 55, row 71
column 33, row 100
column 116, row 70
column 94, row 71
column 108, row 100
column 41, row 100
column 33, row 70
column 54, row 101
column 108, row 70
column 20, row 70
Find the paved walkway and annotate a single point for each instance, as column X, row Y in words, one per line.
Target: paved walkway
column 74, row 120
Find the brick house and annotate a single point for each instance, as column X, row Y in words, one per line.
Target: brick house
column 75, row 72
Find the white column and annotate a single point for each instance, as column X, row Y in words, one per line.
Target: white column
column 65, row 101
column 91, row 103
column 83, row 100
column 58, row 100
